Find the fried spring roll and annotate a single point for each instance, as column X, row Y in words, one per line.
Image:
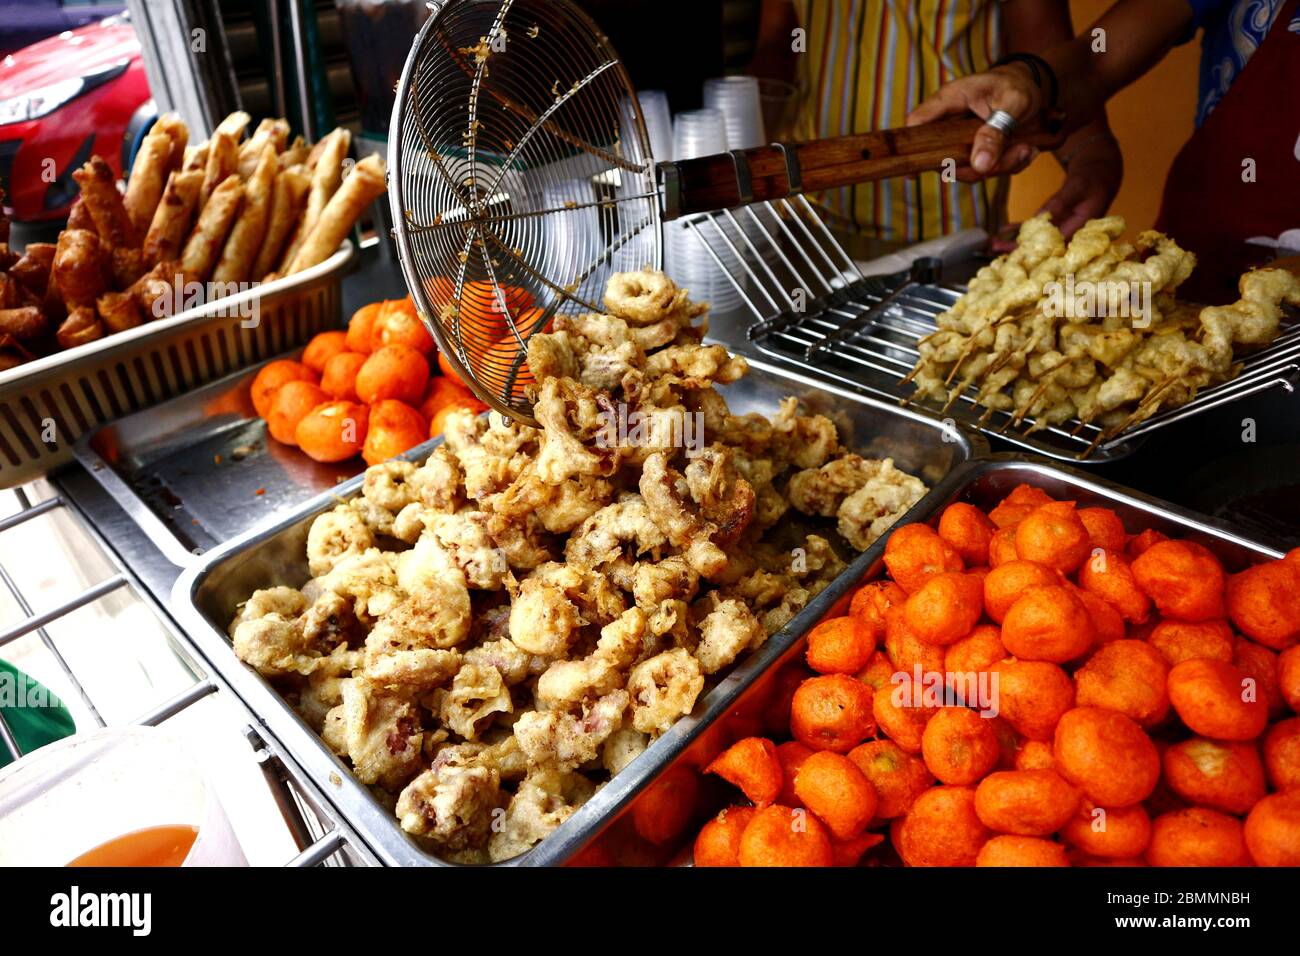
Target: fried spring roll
column 125, row 265
column 196, row 157
column 79, row 216
column 118, row 311
column 175, row 129
column 287, row 203
column 33, row 269
column 295, row 154
column 78, row 271
column 204, row 245
column 364, row 185
column 25, row 324
column 80, row 327
column 161, row 282
column 148, row 175
column 108, row 212
column 234, row 125
column 223, row 159
column 236, row 262
column 270, row 131
column 172, row 218
column 325, row 179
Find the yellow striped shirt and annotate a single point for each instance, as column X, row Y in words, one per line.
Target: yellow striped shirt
column 868, row 64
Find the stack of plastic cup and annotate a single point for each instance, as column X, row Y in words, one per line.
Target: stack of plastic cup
column 737, row 99
column 574, row 238
column 638, row 251
column 700, row 133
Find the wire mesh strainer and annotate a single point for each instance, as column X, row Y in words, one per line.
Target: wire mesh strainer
column 522, row 177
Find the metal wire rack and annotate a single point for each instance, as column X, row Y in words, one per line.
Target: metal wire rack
column 321, row 836
column 814, row 308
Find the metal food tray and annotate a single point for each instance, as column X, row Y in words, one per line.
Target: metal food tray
column 61, row 396
column 201, row 469
column 982, row 483
column 812, row 308
column 207, row 593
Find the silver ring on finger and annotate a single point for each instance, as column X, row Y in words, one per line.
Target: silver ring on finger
column 1002, row 121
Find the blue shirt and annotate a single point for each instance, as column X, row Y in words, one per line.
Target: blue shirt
column 1234, row 29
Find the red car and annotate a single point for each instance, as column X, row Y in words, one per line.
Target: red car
column 62, row 100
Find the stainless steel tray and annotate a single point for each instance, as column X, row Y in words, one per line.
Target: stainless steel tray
column 982, row 483
column 206, row 594
column 200, row 469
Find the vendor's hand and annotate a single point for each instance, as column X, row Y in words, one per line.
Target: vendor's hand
column 1093, row 172
column 1010, row 88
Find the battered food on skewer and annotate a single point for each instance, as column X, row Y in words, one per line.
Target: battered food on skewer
column 517, row 618
column 1091, row 331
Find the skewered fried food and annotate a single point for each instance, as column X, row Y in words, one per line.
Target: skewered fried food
column 1091, row 331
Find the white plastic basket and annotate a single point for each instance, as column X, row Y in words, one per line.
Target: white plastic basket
column 46, row 404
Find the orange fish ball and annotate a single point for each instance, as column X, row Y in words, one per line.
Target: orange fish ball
column 1026, row 802
column 334, row 431
column 1220, row 774
column 785, row 836
column 1184, row 579
column 289, row 405
column 752, row 765
column 945, row 608
column 1032, row 696
column 271, row 376
column 1053, row 535
column 1217, row 700
column 914, row 552
column 959, row 746
column 840, row 645
column 1264, row 605
column 832, row 786
column 897, row 776
column 718, row 843
column 1180, row 641
column 339, row 379
column 1125, row 676
column 1048, row 624
column 1008, row 583
column 1272, row 830
column 323, row 347
column 395, row 427
column 941, row 829
column 968, row 530
column 1106, row 755
column 871, row 601
column 1109, row 832
column 977, row 651
column 1008, row 850
column 832, row 712
column 1196, row 836
column 393, row 371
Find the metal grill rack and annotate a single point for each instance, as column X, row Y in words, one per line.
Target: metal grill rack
column 814, row 308
column 321, row 836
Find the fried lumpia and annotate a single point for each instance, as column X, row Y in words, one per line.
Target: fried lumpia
column 175, row 129
column 223, row 159
column 363, row 185
column 78, row 271
column 204, row 245
column 287, row 203
column 172, row 218
column 118, row 311
column 115, row 227
column 80, row 327
column 325, row 179
column 270, row 131
column 236, row 262
column 148, row 176
column 234, row 125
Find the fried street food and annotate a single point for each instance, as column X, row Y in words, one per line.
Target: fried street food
column 522, row 614
column 1091, row 331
